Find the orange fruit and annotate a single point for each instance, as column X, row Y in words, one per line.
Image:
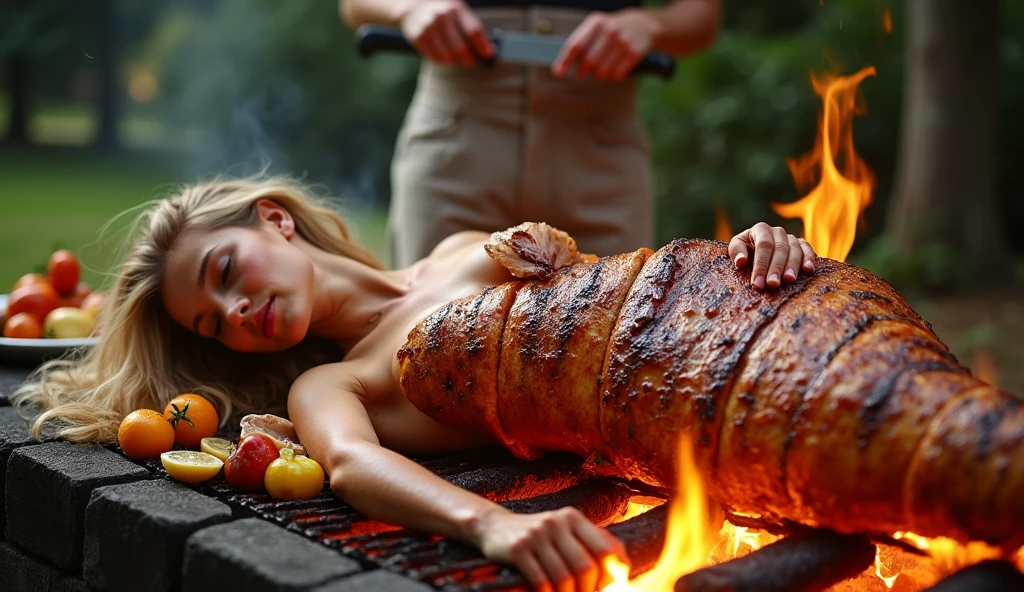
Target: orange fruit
column 23, row 326
column 144, row 433
column 63, row 271
column 193, row 418
column 36, row 299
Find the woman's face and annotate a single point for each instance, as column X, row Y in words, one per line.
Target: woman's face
column 250, row 288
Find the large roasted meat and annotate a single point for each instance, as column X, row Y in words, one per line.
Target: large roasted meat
column 829, row 401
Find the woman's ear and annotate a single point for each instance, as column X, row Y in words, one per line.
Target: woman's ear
column 277, row 217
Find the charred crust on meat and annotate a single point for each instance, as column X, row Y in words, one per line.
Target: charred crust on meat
column 434, row 324
column 865, row 295
column 538, row 308
column 858, row 328
column 582, row 299
column 871, row 411
column 988, row 423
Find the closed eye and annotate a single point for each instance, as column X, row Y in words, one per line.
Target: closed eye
column 227, row 270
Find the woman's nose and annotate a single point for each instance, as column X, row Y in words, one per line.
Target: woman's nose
column 237, row 312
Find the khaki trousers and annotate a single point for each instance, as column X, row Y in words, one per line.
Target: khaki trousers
column 488, row 148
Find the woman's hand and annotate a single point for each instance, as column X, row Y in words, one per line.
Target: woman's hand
column 446, row 31
column 607, row 45
column 557, row 551
column 778, row 256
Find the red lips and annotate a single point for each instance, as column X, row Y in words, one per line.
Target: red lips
column 265, row 318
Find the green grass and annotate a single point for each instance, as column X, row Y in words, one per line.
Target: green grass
column 62, row 198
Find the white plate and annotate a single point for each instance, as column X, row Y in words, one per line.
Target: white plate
column 37, row 350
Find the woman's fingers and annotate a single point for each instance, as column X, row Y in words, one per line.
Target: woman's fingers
column 531, row 568
column 738, row 248
column 780, row 254
column 809, row 256
column 583, row 565
column 764, row 246
column 555, row 567
column 793, row 264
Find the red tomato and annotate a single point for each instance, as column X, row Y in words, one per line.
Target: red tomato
column 23, row 326
column 248, row 464
column 30, row 278
column 64, row 271
column 77, row 297
column 35, row 299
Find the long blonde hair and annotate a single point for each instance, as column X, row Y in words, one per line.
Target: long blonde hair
column 144, row 358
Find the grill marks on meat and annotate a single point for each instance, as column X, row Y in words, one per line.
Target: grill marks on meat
column 462, row 340
column 552, row 352
column 965, row 477
column 828, row 402
column 680, row 335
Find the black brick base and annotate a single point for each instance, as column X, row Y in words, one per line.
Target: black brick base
column 47, row 489
column 257, row 556
column 135, row 534
column 14, row 433
column 20, row 572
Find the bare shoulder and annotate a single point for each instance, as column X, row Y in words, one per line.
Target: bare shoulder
column 328, row 377
column 459, row 241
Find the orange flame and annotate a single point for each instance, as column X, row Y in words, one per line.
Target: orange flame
column 687, row 540
column 831, row 210
column 722, row 231
column 887, row 20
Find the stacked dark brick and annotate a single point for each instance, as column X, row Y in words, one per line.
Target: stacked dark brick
column 80, row 518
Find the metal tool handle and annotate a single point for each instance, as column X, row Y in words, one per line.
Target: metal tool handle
column 373, row 38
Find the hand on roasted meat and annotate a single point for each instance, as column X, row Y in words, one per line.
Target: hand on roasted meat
column 826, row 401
column 534, row 250
column 778, row 256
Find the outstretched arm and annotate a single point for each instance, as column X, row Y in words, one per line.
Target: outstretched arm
column 778, row 256
column 552, row 549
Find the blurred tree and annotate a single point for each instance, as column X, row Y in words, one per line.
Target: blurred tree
column 280, row 84
column 29, row 33
column 947, row 168
column 108, row 100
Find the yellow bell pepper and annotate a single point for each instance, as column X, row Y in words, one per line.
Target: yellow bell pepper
column 293, row 477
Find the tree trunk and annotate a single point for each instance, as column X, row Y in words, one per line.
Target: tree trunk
column 18, row 83
column 108, row 102
column 945, row 189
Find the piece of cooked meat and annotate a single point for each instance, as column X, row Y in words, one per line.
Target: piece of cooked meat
column 534, row 250
column 280, row 430
column 828, row 401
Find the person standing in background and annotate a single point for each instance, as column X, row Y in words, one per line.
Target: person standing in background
column 487, row 147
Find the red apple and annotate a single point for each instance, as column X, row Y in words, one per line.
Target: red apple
column 247, row 465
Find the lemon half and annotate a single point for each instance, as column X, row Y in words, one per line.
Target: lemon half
column 218, row 447
column 190, row 466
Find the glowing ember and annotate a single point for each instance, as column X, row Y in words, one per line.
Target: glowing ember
column 831, row 210
column 888, row 581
